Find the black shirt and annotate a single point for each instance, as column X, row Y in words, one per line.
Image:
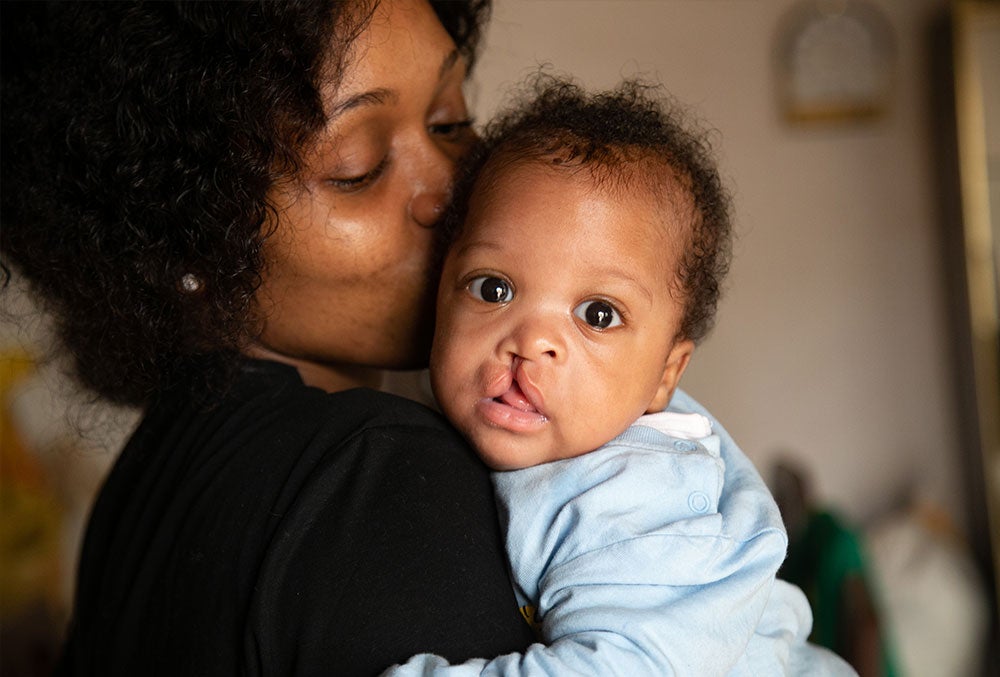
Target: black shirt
column 283, row 530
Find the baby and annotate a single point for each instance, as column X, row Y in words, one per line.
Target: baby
column 587, row 243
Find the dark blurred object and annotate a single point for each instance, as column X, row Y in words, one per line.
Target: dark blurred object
column 827, row 560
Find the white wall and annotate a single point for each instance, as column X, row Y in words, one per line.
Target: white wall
column 832, row 340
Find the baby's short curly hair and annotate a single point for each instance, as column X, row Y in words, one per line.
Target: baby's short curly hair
column 140, row 141
column 627, row 135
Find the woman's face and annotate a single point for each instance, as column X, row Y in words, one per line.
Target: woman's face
column 348, row 283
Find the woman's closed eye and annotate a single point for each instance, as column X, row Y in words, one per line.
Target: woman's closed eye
column 455, row 131
column 598, row 314
column 352, row 184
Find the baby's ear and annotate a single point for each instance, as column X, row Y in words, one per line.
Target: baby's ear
column 677, row 362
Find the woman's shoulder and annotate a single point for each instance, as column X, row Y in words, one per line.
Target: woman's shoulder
column 388, row 428
column 271, row 429
column 288, row 417
column 278, row 386
column 281, row 506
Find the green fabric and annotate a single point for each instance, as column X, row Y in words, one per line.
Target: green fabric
column 821, row 560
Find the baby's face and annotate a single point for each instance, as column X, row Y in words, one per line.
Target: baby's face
column 555, row 317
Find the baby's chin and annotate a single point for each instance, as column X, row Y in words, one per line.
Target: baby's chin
column 501, row 460
column 504, row 457
column 517, row 455
column 504, row 466
column 506, row 438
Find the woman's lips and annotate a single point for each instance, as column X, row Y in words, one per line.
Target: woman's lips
column 511, row 410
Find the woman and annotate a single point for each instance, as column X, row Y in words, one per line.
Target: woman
column 229, row 210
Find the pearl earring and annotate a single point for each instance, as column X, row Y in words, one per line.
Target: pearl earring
column 190, row 283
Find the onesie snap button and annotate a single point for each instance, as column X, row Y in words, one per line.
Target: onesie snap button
column 685, row 445
column 698, row 502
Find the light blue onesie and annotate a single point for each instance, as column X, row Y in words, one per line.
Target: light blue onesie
column 653, row 555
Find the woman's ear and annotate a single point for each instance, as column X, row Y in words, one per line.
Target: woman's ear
column 677, row 362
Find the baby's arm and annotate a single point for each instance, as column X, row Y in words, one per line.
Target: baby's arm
column 640, row 561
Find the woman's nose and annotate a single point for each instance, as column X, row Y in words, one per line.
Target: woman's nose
column 432, row 185
column 427, row 206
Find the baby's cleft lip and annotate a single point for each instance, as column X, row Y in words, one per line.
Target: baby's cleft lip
column 512, row 410
column 499, row 414
column 516, row 398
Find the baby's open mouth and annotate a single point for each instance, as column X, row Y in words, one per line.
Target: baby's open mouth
column 514, row 397
column 512, row 410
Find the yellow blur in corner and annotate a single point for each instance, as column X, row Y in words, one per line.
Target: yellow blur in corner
column 31, row 525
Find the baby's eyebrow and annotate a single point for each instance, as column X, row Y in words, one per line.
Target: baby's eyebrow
column 482, row 244
column 626, row 277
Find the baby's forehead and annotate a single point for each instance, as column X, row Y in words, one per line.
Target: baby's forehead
column 636, row 182
column 646, row 217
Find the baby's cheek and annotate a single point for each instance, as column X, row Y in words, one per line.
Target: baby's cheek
column 630, row 398
column 600, row 421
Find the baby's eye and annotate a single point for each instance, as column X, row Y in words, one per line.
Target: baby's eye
column 598, row 314
column 491, row 289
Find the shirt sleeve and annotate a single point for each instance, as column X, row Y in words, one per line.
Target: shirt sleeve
column 640, row 572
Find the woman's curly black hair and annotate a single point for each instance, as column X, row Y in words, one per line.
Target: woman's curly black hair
column 631, row 133
column 139, row 144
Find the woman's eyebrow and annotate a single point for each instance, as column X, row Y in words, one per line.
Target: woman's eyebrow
column 384, row 95
column 373, row 97
column 447, row 63
column 447, row 66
